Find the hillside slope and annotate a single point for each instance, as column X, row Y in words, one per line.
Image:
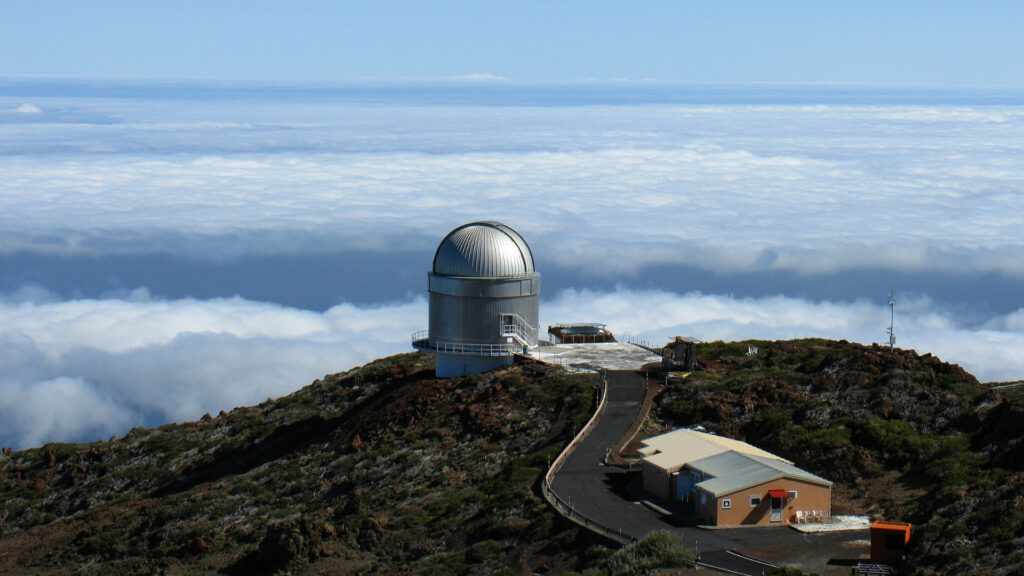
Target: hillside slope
column 386, row 469
column 905, row 437
column 382, row 469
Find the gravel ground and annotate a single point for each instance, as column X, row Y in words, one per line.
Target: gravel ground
column 835, row 524
column 823, row 558
column 594, row 357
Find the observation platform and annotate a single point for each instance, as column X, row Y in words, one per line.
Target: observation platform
column 421, row 341
column 595, row 356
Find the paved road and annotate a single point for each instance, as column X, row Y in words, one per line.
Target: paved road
column 598, row 492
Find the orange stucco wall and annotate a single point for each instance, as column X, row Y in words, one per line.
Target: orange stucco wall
column 809, row 497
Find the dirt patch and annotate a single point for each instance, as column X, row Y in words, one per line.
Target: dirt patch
column 823, row 558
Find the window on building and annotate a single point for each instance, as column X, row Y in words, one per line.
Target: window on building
column 755, row 501
column 726, row 503
column 703, row 498
column 792, row 494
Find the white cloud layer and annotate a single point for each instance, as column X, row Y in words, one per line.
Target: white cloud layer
column 990, row 351
column 88, row 369
column 609, row 188
column 600, row 185
column 27, row 109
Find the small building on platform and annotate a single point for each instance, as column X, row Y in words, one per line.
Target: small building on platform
column 681, row 354
column 587, row 333
column 730, row 482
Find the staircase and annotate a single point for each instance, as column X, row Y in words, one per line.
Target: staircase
column 513, row 325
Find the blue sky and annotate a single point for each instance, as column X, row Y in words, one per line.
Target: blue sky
column 952, row 43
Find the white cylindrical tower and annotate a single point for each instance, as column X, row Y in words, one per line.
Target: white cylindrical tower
column 483, row 299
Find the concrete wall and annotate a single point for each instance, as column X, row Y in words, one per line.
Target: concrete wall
column 809, row 497
column 453, row 365
column 656, row 480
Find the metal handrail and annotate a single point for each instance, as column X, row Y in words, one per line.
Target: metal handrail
column 638, row 342
column 422, row 340
column 579, row 325
column 586, row 339
column 564, row 507
column 514, row 325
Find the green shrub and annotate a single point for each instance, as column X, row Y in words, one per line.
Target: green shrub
column 955, row 384
column 511, row 380
column 656, row 550
column 684, row 412
column 719, row 350
column 544, row 526
column 483, row 551
column 895, row 439
column 825, row 440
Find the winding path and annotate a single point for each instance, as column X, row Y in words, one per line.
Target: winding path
column 595, row 491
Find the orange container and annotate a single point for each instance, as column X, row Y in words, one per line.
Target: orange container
column 889, row 541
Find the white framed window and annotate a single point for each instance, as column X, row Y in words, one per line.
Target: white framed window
column 726, row 503
column 755, row 501
column 792, row 494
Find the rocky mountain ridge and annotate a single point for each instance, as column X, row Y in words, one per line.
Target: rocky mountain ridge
column 385, row 469
column 904, row 436
column 382, row 469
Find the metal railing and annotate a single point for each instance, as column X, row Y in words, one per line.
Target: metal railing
column 638, row 341
column 586, row 338
column 513, row 325
column 423, row 341
column 565, row 507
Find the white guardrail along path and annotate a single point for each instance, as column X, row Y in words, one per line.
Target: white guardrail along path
column 563, row 506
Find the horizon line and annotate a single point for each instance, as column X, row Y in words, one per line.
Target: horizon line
column 486, row 79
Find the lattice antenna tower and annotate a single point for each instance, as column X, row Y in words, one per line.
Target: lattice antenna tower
column 892, row 317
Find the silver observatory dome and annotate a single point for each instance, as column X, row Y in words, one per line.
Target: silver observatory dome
column 483, row 299
column 483, row 250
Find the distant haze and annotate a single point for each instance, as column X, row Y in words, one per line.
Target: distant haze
column 869, row 41
column 169, row 249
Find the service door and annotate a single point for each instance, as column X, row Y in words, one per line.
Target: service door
column 682, row 486
column 776, row 515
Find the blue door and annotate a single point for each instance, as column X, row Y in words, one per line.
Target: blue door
column 682, row 486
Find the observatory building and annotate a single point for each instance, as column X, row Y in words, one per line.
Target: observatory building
column 483, row 300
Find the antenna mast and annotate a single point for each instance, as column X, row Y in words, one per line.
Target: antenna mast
column 892, row 316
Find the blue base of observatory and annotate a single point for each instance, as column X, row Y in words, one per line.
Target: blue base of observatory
column 449, row 366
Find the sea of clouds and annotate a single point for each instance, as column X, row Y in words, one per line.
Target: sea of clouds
column 88, row 369
column 797, row 188
column 603, row 187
